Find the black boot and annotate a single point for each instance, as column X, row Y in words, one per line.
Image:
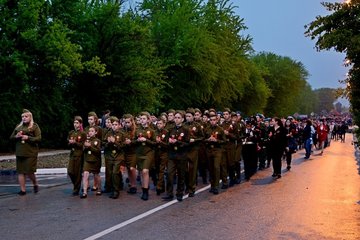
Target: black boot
column 145, row 194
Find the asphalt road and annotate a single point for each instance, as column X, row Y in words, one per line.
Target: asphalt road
column 318, row 199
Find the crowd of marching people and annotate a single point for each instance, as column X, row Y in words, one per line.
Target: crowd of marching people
column 182, row 146
column 178, row 147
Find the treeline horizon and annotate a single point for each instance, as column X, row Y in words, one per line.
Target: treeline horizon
column 63, row 58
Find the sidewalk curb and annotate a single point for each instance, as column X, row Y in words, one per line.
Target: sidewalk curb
column 43, row 171
column 41, row 154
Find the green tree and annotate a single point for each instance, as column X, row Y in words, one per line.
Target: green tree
column 41, row 59
column 255, row 98
column 202, row 50
column 285, row 78
column 339, row 31
column 137, row 80
column 325, row 99
column 307, row 100
column 232, row 56
column 36, row 59
column 121, row 70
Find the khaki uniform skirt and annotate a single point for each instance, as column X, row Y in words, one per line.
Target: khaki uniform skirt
column 26, row 165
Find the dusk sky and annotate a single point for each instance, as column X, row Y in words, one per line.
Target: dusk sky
column 277, row 26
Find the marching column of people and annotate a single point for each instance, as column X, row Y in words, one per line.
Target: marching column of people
column 180, row 147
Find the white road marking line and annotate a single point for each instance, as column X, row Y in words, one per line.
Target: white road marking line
column 141, row 216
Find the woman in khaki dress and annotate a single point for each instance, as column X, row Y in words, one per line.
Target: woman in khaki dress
column 27, row 135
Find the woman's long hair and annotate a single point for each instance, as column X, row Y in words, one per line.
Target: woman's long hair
column 133, row 124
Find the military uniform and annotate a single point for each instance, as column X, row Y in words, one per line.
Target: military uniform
column 214, row 153
column 228, row 162
column 145, row 150
column 26, row 151
column 92, row 156
column 170, row 125
column 161, row 158
column 177, row 161
column 130, row 154
column 203, row 164
column 27, row 135
column 238, row 149
column 108, row 176
column 75, row 164
column 92, row 164
column 145, row 155
column 114, row 157
column 196, row 137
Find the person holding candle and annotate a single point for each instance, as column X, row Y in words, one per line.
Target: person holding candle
column 76, row 139
column 92, row 161
column 145, row 154
column 27, row 135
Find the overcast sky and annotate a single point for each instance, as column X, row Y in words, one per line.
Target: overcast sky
column 277, row 26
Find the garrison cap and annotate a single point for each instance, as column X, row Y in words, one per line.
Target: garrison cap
column 181, row 112
column 227, row 110
column 171, row 111
column 147, row 114
column 211, row 114
column 128, row 115
column 212, row 110
column 114, row 119
column 92, row 114
column 190, row 110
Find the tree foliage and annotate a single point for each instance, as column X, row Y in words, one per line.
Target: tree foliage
column 256, row 94
column 203, row 52
column 285, row 78
column 36, row 57
column 325, row 98
column 307, row 100
column 340, row 31
column 62, row 58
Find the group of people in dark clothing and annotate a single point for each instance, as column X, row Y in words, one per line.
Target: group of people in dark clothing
column 179, row 146
column 182, row 146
